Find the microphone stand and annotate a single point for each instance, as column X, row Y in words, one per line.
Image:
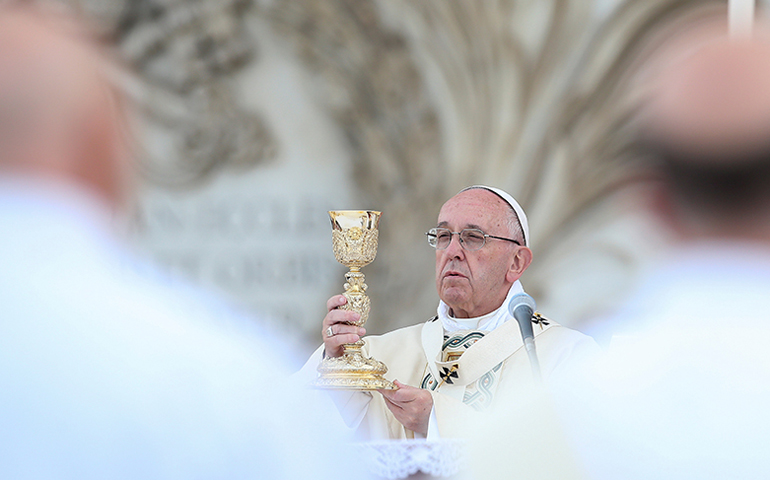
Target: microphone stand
column 529, row 346
column 522, row 307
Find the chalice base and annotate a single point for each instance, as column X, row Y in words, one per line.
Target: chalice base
column 352, row 371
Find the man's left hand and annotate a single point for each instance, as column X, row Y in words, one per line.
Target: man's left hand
column 411, row 406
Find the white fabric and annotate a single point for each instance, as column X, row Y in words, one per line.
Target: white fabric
column 107, row 370
column 682, row 392
column 688, row 382
column 514, row 205
column 487, row 322
column 396, row 459
column 404, row 352
column 353, row 405
column 408, row 359
column 350, row 403
column 433, row 432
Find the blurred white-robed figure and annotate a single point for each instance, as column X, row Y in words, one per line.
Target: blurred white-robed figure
column 682, row 392
column 107, row 370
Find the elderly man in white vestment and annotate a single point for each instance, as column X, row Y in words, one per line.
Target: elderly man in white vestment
column 454, row 365
column 107, row 369
column 684, row 390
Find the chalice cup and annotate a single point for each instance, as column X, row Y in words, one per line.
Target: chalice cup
column 354, row 240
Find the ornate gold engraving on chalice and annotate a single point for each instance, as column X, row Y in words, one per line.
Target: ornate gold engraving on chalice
column 354, row 240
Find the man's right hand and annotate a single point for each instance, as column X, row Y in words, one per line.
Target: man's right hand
column 338, row 321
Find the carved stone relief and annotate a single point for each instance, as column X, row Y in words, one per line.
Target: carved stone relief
column 188, row 52
column 428, row 97
column 528, row 95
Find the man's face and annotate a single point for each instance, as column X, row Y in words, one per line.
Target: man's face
column 475, row 283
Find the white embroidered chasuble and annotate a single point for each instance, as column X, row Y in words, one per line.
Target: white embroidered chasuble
column 491, row 363
column 478, row 393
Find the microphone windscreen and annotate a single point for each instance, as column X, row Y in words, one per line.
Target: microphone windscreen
column 521, row 299
column 521, row 307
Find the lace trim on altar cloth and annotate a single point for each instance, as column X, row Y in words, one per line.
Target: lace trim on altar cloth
column 396, row 459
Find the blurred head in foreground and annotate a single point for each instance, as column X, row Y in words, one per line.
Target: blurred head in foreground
column 60, row 119
column 681, row 390
column 708, row 126
column 108, row 370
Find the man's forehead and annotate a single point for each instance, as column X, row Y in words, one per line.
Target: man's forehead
column 476, row 208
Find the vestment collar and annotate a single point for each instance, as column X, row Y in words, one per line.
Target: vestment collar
column 486, row 322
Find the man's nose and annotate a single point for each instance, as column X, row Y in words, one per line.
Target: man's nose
column 455, row 248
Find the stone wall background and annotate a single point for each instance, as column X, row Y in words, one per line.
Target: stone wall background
column 257, row 116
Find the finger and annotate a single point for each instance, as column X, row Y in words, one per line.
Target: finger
column 336, row 301
column 340, row 316
column 392, row 405
column 389, row 393
column 400, row 396
column 339, row 340
column 406, row 395
column 333, row 346
column 343, row 329
column 404, row 391
column 401, row 405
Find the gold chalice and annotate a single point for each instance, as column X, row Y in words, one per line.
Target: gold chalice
column 354, row 240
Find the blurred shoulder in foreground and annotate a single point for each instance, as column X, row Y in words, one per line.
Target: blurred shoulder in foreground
column 682, row 391
column 106, row 369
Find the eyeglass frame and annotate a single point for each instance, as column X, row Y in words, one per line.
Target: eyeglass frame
column 432, row 232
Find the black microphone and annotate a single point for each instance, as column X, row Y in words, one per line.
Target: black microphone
column 522, row 306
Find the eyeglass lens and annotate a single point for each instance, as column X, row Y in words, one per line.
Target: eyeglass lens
column 470, row 239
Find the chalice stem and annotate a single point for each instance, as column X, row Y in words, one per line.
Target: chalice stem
column 354, row 240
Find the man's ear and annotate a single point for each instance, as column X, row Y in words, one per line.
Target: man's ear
column 521, row 260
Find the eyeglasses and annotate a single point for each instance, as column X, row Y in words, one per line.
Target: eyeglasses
column 470, row 238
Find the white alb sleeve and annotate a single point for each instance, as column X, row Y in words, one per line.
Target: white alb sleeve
column 433, row 433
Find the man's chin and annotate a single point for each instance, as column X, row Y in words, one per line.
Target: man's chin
column 453, row 295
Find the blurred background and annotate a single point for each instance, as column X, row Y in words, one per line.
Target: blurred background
column 258, row 116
